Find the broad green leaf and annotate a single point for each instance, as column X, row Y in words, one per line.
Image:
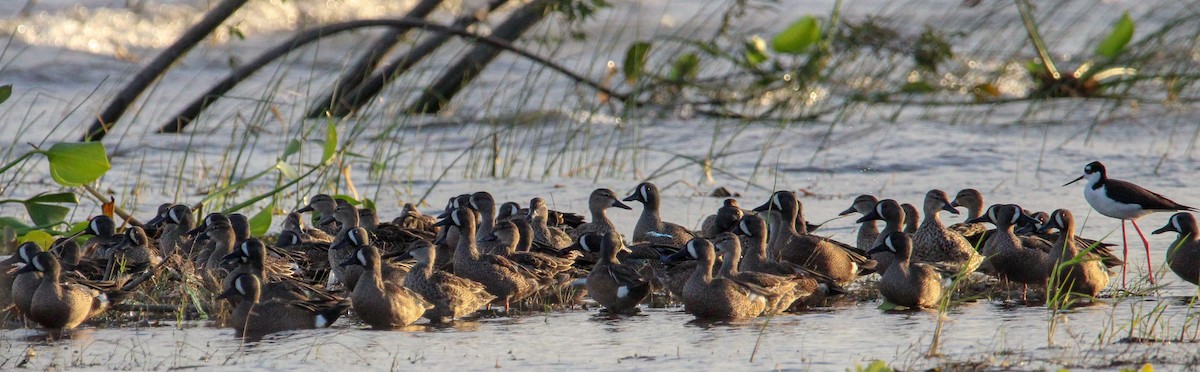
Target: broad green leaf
column 888, row 306
column 5, row 92
column 348, row 199
column 45, row 215
column 1115, row 43
column 287, row 170
column 55, row 198
column 15, row 224
column 798, row 37
column 331, row 139
column 292, row 148
column 76, row 163
column 685, row 67
column 368, row 203
column 635, row 61
column 41, row 237
column 756, row 51
column 261, row 221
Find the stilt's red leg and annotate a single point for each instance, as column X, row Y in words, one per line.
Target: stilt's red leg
column 1125, row 253
column 1147, row 243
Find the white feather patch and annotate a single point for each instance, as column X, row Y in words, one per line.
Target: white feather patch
column 322, row 322
column 623, row 291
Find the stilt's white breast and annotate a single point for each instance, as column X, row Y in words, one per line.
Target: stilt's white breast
column 1100, row 201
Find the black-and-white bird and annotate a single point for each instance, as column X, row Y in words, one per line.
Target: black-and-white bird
column 1124, row 201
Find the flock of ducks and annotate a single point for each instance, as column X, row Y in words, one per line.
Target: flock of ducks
column 740, row 264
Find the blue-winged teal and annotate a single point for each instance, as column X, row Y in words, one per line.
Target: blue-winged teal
column 347, row 246
column 103, row 232
column 253, row 317
column 134, row 254
column 325, row 206
column 24, row 284
column 452, row 296
column 154, row 224
column 867, row 230
column 781, row 291
column 503, row 278
column 178, row 221
column 616, row 286
column 907, row 283
column 912, row 218
column 827, row 257
column 276, row 272
column 754, row 258
column 971, row 199
column 294, row 223
column 1183, row 255
column 598, row 202
column 1086, row 276
column 725, row 220
column 221, row 241
column 1124, row 201
column 382, row 303
column 650, row 227
column 340, row 250
column 1011, row 260
column 893, row 216
column 933, row 242
column 412, row 218
column 545, row 266
column 709, row 297
column 58, row 305
column 543, row 233
column 389, row 237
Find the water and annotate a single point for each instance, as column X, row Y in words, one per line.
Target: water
column 554, row 142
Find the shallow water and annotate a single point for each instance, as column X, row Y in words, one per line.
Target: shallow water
column 1009, row 154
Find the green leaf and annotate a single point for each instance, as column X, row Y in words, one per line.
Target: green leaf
column 261, row 221
column 5, row 92
column 45, row 215
column 1115, row 43
column 76, row 163
column 919, row 87
column 635, row 61
column 287, row 170
column 348, row 199
column 15, row 224
column 41, row 237
column 331, row 139
column 368, row 203
column 798, row 37
column 756, row 51
column 292, row 148
column 685, row 67
column 888, row 306
column 55, row 198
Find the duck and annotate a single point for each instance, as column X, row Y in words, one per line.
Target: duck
column 135, row 254
column 912, row 218
column 71, row 259
column 543, row 265
column 485, row 209
column 543, row 233
column 103, row 232
column 447, row 239
column 907, row 283
column 502, row 277
column 726, row 219
column 326, row 206
column 706, row 296
column 867, row 230
column 614, row 285
column 1183, row 255
column 59, row 305
column 1011, row 260
column 254, row 317
column 276, row 273
column 24, row 284
column 933, row 242
column 383, row 303
column 348, row 245
column 598, row 202
column 781, row 291
column 178, row 221
column 452, row 297
column 294, row 223
column 340, row 249
column 390, row 237
column 221, row 241
column 893, row 216
column 650, row 227
column 753, row 232
column 827, row 257
column 975, row 233
column 154, row 224
column 315, row 254
column 411, row 218
column 1084, row 277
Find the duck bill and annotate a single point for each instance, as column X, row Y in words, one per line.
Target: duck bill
column 197, row 230
column 1168, row 228
column 619, row 204
column 1046, row 227
column 325, row 220
column 235, row 256
column 154, row 222
column 28, row 268
column 848, row 211
column 634, row 197
column 878, row 249
column 949, row 207
column 980, row 219
column 1074, row 181
column 954, row 203
column 871, row 216
column 680, row 256
column 229, row 292
column 1028, row 229
column 762, row 208
column 305, row 209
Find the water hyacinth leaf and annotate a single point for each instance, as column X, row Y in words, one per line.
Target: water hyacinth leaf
column 5, row 92
column 46, row 214
column 292, row 148
column 77, row 163
column 685, row 67
column 798, row 37
column 331, row 139
column 41, row 237
column 55, row 198
column 1115, row 43
column 261, row 221
column 635, row 61
column 756, row 51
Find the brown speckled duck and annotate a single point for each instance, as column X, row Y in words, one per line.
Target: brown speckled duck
column 383, row 304
column 708, row 297
column 599, row 201
column 867, row 231
column 1012, row 261
column 452, row 296
column 253, row 318
column 616, row 286
column 827, row 257
column 906, row 283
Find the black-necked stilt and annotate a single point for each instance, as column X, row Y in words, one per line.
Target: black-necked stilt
column 1125, row 201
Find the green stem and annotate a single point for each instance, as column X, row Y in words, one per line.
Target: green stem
column 18, row 160
column 1036, row 37
column 276, row 190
